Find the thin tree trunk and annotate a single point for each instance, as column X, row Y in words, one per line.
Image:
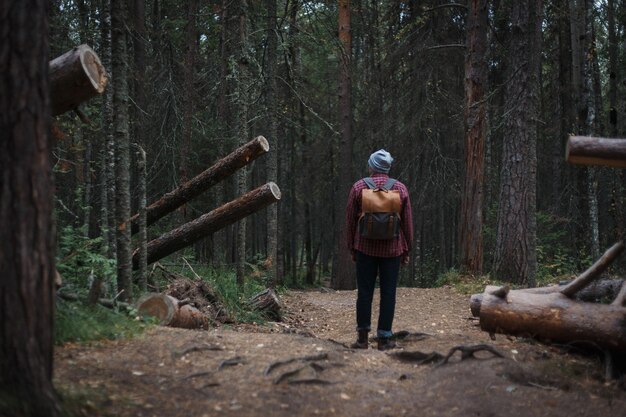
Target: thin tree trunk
column 343, row 275
column 122, row 140
column 272, row 160
column 188, row 70
column 242, row 131
column 471, row 237
column 26, row 209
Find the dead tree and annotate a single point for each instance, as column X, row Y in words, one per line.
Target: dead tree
column 203, row 181
column 211, row 222
column 75, row 77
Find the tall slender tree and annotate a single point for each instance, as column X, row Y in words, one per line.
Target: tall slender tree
column 26, row 205
column 272, row 158
column 515, row 257
column 122, row 140
column 471, row 224
column 343, row 274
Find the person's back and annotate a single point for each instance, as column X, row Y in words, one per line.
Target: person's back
column 375, row 255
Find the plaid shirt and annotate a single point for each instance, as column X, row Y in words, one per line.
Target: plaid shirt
column 373, row 247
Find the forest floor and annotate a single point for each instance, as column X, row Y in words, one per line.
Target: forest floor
column 302, row 366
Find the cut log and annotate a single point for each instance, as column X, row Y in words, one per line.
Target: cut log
column 586, row 150
column 555, row 318
column 172, row 312
column 211, row 222
column 605, row 289
column 203, row 181
column 75, row 77
column 268, row 303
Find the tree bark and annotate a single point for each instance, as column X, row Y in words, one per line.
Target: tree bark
column 554, row 317
column 587, row 150
column 122, row 139
column 272, row 160
column 471, row 224
column 26, row 214
column 75, row 77
column 172, row 312
column 188, row 71
column 343, row 274
column 268, row 303
column 515, row 256
column 206, row 224
column 194, row 187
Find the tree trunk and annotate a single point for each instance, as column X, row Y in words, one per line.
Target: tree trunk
column 188, row 71
column 206, row 224
column 343, row 274
column 223, row 168
column 26, row 209
column 172, row 312
column 75, row 77
column 272, row 160
column 122, row 140
column 554, row 317
column 471, row 236
column 515, row 255
column 142, row 250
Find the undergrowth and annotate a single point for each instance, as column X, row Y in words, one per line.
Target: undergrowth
column 76, row 322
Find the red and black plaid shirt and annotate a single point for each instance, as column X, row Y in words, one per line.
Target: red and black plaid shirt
column 374, row 247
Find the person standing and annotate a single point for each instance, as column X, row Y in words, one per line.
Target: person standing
column 378, row 256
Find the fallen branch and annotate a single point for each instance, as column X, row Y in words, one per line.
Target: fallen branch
column 595, row 270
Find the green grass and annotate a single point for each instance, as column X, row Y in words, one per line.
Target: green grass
column 76, row 322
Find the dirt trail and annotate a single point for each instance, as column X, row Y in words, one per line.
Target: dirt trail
column 242, row 371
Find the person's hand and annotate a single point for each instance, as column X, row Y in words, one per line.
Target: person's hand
column 405, row 259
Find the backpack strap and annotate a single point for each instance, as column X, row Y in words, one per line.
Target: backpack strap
column 389, row 184
column 370, row 183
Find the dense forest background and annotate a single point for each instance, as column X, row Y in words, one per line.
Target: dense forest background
column 191, row 81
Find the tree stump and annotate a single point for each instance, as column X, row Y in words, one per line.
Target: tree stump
column 172, row 312
column 268, row 303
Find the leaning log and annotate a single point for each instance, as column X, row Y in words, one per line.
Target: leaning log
column 586, row 150
column 211, row 222
column 75, row 77
column 595, row 270
column 172, row 312
column 203, row 181
column 554, row 318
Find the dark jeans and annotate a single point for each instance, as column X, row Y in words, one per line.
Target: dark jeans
column 367, row 268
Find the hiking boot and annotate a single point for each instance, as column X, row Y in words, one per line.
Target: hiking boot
column 361, row 342
column 385, row 343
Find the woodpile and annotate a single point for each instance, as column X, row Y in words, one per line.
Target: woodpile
column 172, row 312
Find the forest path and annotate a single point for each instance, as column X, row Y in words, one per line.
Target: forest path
column 242, row 371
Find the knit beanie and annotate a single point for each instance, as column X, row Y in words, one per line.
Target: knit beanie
column 380, row 161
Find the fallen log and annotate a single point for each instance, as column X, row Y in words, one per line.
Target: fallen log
column 219, row 171
column 267, row 302
column 606, row 289
column 172, row 312
column 554, row 318
column 75, row 76
column 211, row 222
column 586, row 150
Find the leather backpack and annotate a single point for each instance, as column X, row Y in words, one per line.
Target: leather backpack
column 380, row 211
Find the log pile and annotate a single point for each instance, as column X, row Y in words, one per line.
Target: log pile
column 172, row 312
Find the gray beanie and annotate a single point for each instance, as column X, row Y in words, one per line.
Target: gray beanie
column 380, row 161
